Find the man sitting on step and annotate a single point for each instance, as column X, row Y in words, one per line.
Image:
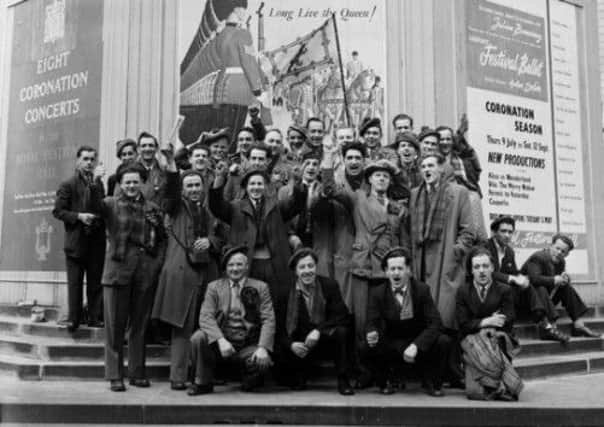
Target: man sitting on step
column 237, row 324
column 546, row 270
column 317, row 323
column 526, row 299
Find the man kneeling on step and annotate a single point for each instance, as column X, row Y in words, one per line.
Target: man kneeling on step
column 237, row 324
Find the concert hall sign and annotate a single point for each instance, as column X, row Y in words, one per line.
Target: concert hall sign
column 54, row 107
column 294, row 59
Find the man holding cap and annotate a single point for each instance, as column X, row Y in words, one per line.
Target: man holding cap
column 236, row 323
column 317, row 323
column 403, row 325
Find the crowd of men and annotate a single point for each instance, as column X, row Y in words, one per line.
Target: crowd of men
column 268, row 251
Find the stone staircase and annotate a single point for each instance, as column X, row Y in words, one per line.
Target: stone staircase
column 46, row 351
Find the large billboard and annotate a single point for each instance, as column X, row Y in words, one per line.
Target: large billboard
column 293, row 60
column 54, row 107
column 524, row 120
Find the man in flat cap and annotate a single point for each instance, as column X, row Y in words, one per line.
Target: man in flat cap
column 370, row 132
column 317, row 324
column 404, row 327
column 236, row 323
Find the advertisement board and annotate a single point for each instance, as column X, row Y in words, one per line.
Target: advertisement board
column 54, row 107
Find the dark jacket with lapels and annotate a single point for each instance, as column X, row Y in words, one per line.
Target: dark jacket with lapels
column 470, row 310
column 383, row 315
column 508, row 265
column 329, row 310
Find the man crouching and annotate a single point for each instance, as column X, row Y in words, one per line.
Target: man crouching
column 317, row 324
column 236, row 323
column 403, row 325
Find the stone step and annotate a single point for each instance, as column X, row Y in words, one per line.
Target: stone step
column 530, row 330
column 64, row 350
column 537, row 348
column 554, row 365
column 51, row 313
column 20, row 326
column 27, row 368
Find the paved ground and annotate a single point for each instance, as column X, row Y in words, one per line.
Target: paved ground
column 558, row 396
column 569, row 391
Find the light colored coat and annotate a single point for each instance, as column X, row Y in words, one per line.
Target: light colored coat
column 445, row 271
column 215, row 309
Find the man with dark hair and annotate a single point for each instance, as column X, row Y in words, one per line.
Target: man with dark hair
column 505, row 270
column 485, row 314
column 402, row 123
column 546, row 270
column 403, row 326
column 370, row 131
column 315, row 129
column 441, row 233
column 153, row 189
column 78, row 205
column 236, row 323
column 125, row 150
column 317, row 324
column 429, row 141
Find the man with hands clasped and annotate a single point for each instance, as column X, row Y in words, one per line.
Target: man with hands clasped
column 317, row 324
column 403, row 325
column 236, row 323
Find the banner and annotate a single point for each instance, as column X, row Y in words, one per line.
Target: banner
column 282, row 56
column 55, row 91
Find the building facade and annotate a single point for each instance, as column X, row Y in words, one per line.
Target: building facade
column 93, row 72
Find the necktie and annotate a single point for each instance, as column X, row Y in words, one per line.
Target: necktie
column 381, row 199
column 483, row 292
column 236, row 296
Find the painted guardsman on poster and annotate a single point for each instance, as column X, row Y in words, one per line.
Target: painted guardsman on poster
column 220, row 74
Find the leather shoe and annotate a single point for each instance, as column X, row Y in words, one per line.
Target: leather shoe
column 344, row 387
column 177, row 385
column 584, row 331
column 139, row 382
column 117, row 385
column 197, row 389
column 434, row 391
column 96, row 324
column 387, row 388
column 553, row 334
column 71, row 326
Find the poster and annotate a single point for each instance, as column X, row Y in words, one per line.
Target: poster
column 567, row 128
column 281, row 55
column 510, row 117
column 55, row 91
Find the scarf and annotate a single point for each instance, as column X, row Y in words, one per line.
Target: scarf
column 258, row 216
column 355, row 181
column 429, row 229
column 317, row 314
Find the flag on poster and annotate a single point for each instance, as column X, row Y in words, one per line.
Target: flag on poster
column 307, row 74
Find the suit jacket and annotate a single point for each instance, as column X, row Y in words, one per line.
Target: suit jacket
column 215, row 309
column 383, row 311
column 540, row 269
column 239, row 215
column 470, row 311
column 74, row 196
column 508, row 262
column 334, row 313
